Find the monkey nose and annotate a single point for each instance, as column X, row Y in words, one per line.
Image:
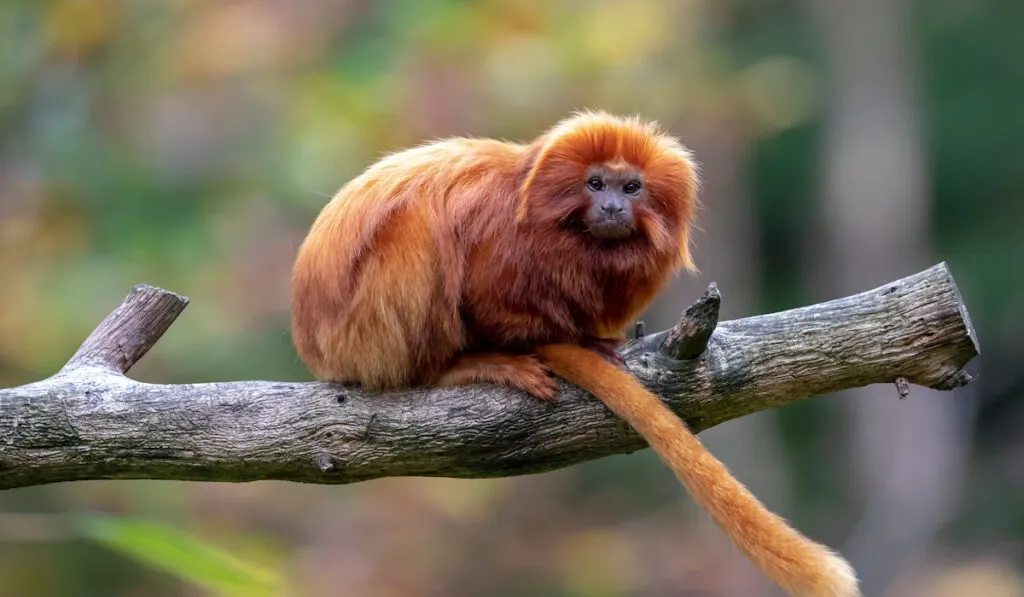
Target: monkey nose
column 611, row 208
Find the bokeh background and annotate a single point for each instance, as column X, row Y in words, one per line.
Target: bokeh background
column 189, row 145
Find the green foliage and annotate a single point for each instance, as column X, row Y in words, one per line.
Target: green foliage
column 183, row 555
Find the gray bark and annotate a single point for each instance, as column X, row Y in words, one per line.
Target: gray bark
column 89, row 421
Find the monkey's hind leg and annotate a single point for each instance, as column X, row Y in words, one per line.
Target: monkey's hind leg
column 520, row 371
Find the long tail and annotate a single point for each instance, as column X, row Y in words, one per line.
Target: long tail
column 800, row 566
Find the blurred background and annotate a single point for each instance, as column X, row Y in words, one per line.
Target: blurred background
column 190, row 144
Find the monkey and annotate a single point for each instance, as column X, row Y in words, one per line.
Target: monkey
column 474, row 260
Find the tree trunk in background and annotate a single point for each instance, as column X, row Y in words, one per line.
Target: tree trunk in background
column 726, row 252
column 906, row 458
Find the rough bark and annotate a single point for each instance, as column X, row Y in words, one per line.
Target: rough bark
column 89, row 421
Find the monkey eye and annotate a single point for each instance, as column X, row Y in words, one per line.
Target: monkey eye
column 631, row 188
column 595, row 184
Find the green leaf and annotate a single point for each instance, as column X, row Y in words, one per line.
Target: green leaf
column 182, row 555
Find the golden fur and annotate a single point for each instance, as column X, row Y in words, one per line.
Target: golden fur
column 472, row 260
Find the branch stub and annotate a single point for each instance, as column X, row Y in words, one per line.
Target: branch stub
column 128, row 333
column 688, row 339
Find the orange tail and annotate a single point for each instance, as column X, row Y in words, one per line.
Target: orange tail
column 800, row 566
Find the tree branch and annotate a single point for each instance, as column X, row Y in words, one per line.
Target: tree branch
column 90, row 422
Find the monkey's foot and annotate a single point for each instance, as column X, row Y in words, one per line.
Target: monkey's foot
column 523, row 372
column 608, row 348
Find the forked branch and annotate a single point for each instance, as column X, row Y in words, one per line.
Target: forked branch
column 89, row 421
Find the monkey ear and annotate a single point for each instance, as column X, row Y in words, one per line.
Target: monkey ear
column 533, row 187
column 523, row 209
column 555, row 171
column 526, row 192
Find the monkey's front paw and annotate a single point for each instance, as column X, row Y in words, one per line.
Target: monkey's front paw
column 520, row 371
column 537, row 380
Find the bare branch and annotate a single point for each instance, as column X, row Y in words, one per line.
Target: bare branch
column 91, row 422
column 688, row 339
column 639, row 330
column 128, row 333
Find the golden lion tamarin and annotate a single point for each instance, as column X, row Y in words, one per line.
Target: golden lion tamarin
column 474, row 260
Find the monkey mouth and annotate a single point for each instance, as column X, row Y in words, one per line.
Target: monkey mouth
column 610, row 228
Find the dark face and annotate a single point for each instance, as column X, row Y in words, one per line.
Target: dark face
column 612, row 192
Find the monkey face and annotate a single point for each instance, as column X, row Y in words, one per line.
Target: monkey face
column 620, row 181
column 611, row 193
